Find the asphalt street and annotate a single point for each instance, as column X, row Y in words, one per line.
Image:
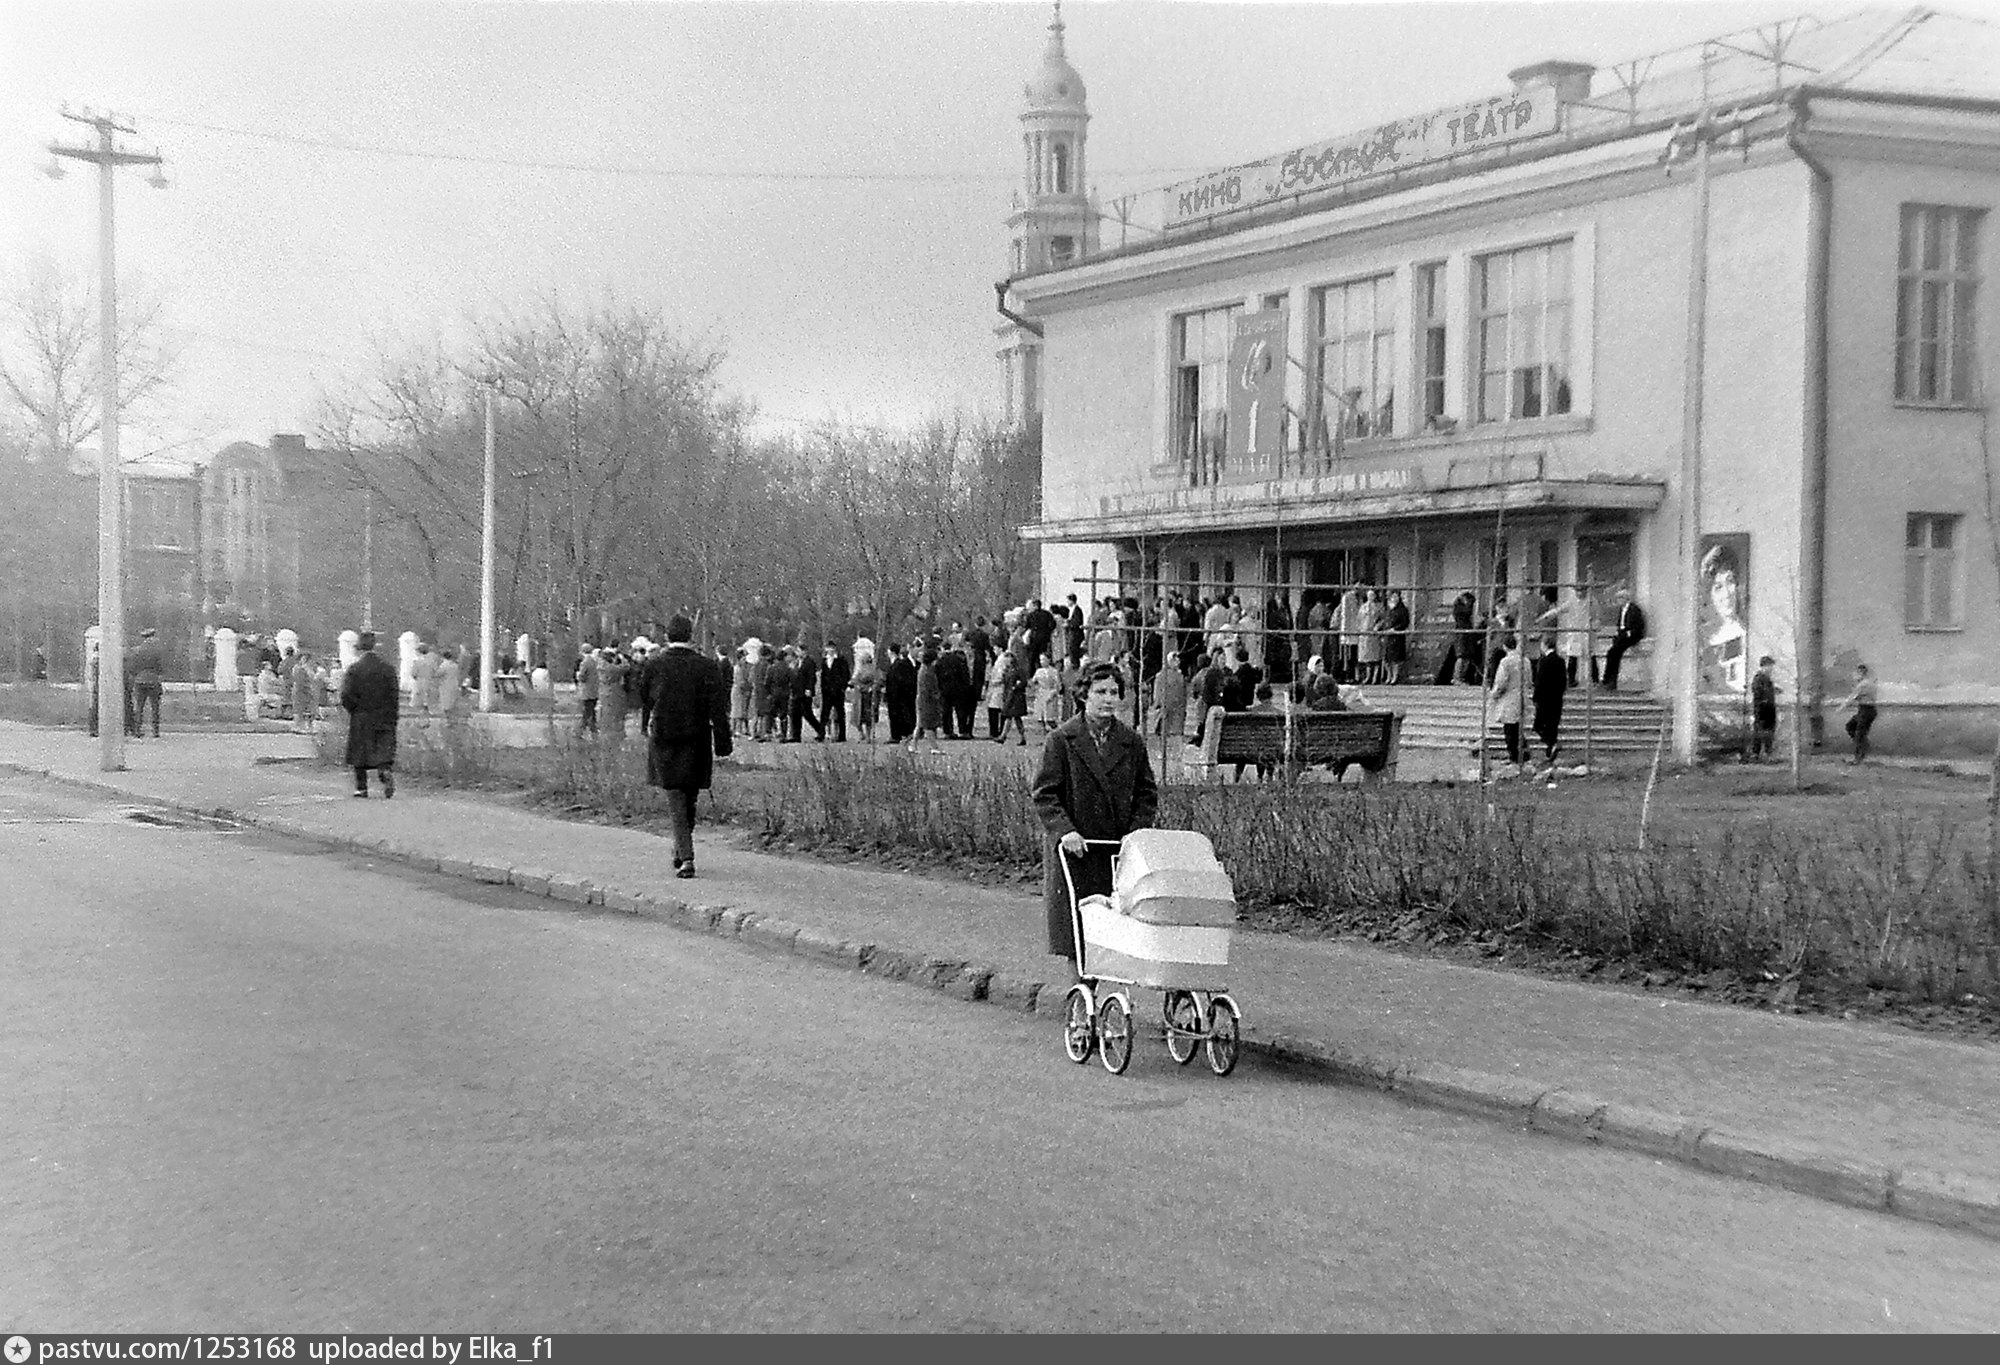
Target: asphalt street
column 250, row 1084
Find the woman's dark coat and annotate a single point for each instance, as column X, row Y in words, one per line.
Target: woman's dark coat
column 899, row 696
column 930, row 700
column 690, row 719
column 1099, row 794
column 1551, row 681
column 371, row 695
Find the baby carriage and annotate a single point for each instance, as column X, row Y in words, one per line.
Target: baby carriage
column 1165, row 927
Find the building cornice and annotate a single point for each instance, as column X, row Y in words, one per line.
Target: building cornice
column 1215, row 511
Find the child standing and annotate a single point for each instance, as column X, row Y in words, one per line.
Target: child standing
column 1048, row 695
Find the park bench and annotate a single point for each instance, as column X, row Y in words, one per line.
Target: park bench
column 1331, row 739
column 508, row 684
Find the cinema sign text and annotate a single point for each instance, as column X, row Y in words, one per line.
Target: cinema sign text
column 1401, row 145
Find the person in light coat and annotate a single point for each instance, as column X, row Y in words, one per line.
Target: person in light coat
column 449, row 684
column 1506, row 698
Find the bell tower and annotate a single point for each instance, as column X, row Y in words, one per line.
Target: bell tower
column 1053, row 220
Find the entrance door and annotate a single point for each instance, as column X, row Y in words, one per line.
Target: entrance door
column 1605, row 562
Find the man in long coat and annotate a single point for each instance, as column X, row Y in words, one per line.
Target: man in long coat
column 835, row 673
column 899, row 694
column 690, row 731
column 371, row 694
column 1095, row 782
column 954, row 677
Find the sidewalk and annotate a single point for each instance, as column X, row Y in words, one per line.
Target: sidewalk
column 1865, row 1115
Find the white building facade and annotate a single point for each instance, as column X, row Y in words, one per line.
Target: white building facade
column 1715, row 336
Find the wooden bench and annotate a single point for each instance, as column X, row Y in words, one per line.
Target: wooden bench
column 508, row 684
column 1333, row 739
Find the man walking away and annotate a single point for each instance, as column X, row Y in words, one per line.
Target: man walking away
column 371, row 694
column 690, row 731
column 147, row 668
column 1550, row 681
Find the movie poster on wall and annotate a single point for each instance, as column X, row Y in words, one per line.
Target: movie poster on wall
column 1724, row 614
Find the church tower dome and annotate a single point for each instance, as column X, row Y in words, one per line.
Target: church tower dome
column 1053, row 222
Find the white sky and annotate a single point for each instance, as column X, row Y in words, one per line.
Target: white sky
column 284, row 263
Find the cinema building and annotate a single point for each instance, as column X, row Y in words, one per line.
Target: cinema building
column 1707, row 326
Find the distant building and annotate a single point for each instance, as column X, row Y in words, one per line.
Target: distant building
column 285, row 541
column 1451, row 351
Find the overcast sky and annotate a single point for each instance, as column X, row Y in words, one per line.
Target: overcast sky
column 820, row 189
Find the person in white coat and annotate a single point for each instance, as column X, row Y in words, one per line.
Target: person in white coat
column 1507, row 697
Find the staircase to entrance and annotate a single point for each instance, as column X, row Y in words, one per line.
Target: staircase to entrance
column 1619, row 725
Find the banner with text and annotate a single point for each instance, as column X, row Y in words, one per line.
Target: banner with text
column 1401, row 145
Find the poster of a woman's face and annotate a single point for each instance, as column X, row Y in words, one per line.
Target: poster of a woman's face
column 1725, row 612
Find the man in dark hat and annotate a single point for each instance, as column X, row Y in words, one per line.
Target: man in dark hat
column 690, row 731
column 371, row 694
column 1763, row 709
column 145, row 667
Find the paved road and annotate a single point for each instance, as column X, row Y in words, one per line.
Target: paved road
column 254, row 1085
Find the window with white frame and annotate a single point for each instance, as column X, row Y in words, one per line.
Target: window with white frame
column 1430, row 310
column 1354, row 347
column 1201, row 403
column 1523, row 303
column 1931, row 597
column 1936, row 279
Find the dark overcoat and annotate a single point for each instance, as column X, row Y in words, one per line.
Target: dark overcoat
column 1099, row 793
column 690, row 719
column 372, row 696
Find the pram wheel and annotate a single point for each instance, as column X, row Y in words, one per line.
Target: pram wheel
column 1184, row 1028
column 1079, row 1025
column 1224, row 1027
column 1114, row 1034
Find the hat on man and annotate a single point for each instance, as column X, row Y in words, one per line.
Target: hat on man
column 1766, row 662
column 365, row 641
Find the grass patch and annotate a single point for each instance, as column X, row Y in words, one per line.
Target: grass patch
column 1826, row 892
column 40, row 703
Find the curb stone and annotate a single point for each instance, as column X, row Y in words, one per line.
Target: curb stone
column 770, row 932
column 1567, row 1114
column 1947, row 1199
column 1644, row 1130
column 1451, row 1087
column 1795, row 1166
column 1956, row 1201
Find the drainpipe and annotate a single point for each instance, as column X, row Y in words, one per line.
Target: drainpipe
column 1812, row 483
column 1000, row 300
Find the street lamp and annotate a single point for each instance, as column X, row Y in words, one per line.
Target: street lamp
column 107, row 155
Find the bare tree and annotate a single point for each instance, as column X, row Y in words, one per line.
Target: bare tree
column 51, row 358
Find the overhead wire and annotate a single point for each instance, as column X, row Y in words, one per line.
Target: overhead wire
column 636, row 169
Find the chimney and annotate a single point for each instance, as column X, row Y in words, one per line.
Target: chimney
column 1570, row 80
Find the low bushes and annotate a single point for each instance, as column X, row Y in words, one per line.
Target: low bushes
column 1865, row 895
column 1884, row 897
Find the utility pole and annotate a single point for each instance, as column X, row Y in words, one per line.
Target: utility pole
column 107, row 155
column 486, row 569
column 1687, row 676
column 368, row 559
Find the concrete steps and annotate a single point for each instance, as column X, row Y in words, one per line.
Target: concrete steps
column 1619, row 724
